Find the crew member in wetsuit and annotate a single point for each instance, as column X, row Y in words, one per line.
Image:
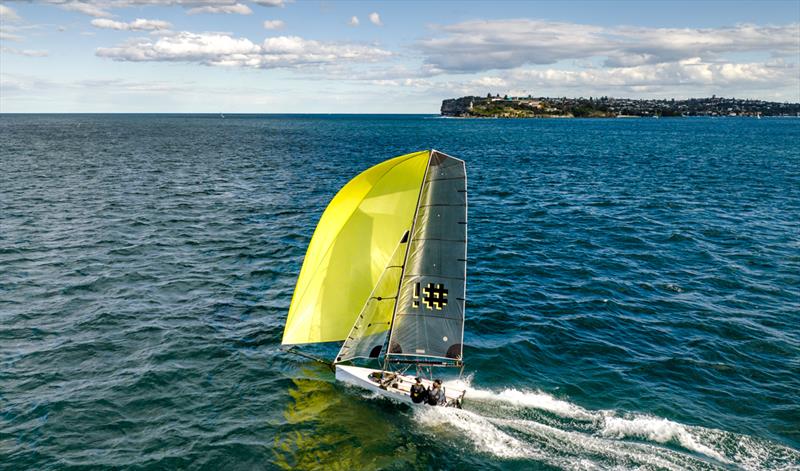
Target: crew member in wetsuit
column 418, row 392
column 436, row 395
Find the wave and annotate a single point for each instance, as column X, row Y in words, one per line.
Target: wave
column 534, row 425
column 479, row 429
column 537, row 400
column 658, row 430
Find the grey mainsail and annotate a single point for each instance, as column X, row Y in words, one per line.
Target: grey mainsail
column 428, row 322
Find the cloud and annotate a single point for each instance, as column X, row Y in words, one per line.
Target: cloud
column 693, row 77
column 272, row 3
column 86, row 8
column 24, row 52
column 13, row 83
column 7, row 36
column 8, row 14
column 218, row 49
column 236, row 8
column 353, row 21
column 7, row 31
column 474, row 46
column 138, row 24
column 111, row 94
column 102, row 8
column 211, row 48
column 375, row 18
column 687, row 72
column 122, row 85
column 274, row 24
column 685, row 78
column 656, row 45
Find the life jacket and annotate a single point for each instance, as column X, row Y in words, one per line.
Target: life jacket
column 435, row 396
column 418, row 393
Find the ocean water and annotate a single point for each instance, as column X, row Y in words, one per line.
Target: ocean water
column 633, row 294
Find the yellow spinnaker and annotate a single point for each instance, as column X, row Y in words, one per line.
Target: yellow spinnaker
column 353, row 242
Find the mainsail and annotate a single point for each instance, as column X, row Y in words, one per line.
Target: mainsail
column 429, row 318
column 386, row 266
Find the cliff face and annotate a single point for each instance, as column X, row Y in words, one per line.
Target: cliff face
column 475, row 106
column 457, row 106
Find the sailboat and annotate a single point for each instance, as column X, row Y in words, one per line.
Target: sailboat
column 385, row 275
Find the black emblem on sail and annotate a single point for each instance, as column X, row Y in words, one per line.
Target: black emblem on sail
column 434, row 296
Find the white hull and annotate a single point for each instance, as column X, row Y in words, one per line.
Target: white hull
column 398, row 389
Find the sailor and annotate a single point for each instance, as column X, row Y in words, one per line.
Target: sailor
column 387, row 379
column 418, row 391
column 436, row 395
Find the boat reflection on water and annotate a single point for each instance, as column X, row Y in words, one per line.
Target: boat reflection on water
column 328, row 426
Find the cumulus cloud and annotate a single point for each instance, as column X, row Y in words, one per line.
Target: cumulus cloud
column 656, row 45
column 685, row 78
column 692, row 71
column 274, row 24
column 218, row 49
column 354, row 21
column 138, row 24
column 375, row 19
column 211, row 48
column 503, row 44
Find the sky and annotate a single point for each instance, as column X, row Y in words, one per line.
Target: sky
column 310, row 56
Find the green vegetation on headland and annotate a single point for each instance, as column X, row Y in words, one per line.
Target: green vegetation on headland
column 605, row 107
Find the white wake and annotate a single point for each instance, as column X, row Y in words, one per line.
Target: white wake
column 533, row 425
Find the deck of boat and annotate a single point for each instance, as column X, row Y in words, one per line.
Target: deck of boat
column 396, row 387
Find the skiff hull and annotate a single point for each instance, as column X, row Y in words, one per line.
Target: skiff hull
column 398, row 389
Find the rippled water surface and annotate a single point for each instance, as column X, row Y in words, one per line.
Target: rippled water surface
column 634, row 294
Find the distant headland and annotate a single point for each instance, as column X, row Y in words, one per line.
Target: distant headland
column 495, row 106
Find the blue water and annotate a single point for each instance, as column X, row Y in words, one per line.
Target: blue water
column 633, row 285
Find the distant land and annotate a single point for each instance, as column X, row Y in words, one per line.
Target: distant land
column 495, row 106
